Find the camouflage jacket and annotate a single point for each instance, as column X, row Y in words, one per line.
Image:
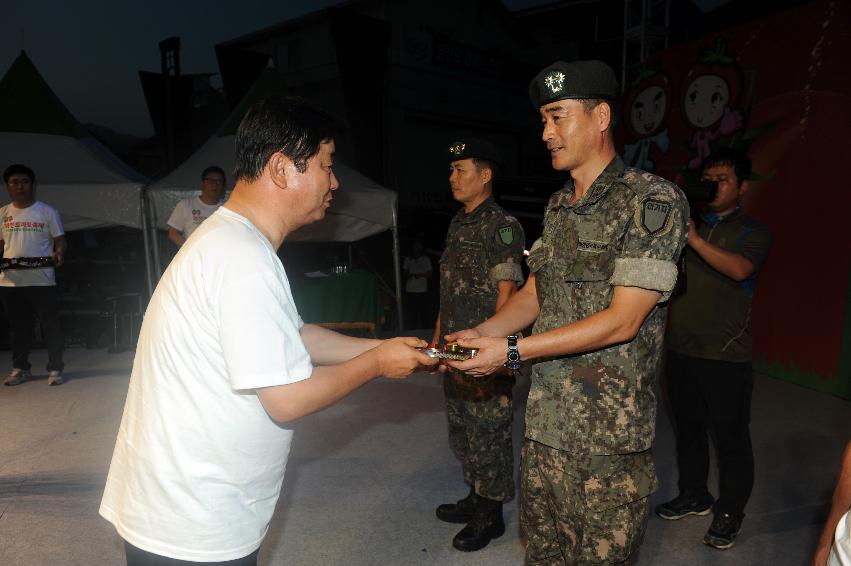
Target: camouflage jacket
column 627, row 230
column 482, row 249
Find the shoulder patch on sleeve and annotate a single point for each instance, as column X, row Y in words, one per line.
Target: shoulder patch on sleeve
column 654, row 215
column 506, row 235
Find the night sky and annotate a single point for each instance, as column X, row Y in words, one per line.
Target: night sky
column 90, row 52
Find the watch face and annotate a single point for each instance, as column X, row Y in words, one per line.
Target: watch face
column 513, row 356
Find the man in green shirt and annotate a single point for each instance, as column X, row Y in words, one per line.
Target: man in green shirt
column 709, row 372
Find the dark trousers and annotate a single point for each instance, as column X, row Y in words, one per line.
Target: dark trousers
column 138, row 557
column 21, row 303
column 711, row 395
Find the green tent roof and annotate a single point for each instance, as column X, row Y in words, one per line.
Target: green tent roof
column 28, row 104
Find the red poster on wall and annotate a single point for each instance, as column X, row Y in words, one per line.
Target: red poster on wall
column 780, row 88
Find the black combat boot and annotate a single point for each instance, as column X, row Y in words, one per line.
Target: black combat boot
column 485, row 525
column 459, row 512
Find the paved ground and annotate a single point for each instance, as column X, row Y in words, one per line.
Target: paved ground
column 364, row 477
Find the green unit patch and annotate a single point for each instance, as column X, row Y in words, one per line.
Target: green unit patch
column 655, row 215
column 506, row 234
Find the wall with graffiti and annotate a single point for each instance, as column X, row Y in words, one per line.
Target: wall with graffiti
column 781, row 89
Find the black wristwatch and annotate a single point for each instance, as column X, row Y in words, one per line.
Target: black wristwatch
column 513, row 362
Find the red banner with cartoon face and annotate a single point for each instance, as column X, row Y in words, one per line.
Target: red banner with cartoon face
column 780, row 88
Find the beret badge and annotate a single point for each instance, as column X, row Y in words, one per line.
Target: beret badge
column 457, row 148
column 554, row 81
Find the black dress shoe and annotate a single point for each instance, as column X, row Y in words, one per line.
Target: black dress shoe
column 486, row 524
column 460, row 511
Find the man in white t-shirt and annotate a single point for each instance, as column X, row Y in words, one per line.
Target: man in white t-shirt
column 189, row 213
column 31, row 229
column 418, row 268
column 834, row 546
column 224, row 360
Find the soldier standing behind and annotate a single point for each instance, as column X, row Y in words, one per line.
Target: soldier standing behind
column 599, row 276
column 479, row 271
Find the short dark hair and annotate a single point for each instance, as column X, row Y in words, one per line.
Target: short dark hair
column 280, row 124
column 486, row 163
column 18, row 169
column 214, row 169
column 591, row 103
column 730, row 157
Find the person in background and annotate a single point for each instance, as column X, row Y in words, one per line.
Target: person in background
column 31, row 229
column 480, row 270
column 708, row 366
column 190, row 212
column 418, row 269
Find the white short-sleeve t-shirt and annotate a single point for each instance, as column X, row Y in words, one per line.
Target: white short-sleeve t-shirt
column 189, row 213
column 198, row 464
column 417, row 266
column 840, row 554
column 29, row 232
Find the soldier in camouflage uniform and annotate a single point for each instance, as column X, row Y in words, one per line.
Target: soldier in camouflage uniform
column 479, row 270
column 600, row 275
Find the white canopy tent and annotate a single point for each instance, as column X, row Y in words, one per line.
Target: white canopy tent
column 82, row 179
column 75, row 173
column 91, row 187
column 361, row 207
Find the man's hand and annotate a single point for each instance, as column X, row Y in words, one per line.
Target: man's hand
column 467, row 334
column 491, row 357
column 730, row 264
column 693, row 236
column 60, row 244
column 398, row 357
column 462, row 335
column 176, row 236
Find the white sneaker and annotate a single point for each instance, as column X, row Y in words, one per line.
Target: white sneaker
column 17, row 376
column 55, row 377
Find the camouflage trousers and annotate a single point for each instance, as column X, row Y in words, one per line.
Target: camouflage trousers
column 583, row 509
column 480, row 416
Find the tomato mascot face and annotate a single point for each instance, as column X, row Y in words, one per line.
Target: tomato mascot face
column 705, row 99
column 648, row 110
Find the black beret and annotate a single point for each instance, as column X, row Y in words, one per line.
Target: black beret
column 473, row 148
column 578, row 80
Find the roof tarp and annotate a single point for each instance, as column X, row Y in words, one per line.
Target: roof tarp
column 360, row 208
column 75, row 173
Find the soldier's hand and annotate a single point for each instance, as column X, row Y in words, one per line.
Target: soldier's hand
column 398, row 357
column 693, row 236
column 462, row 334
column 491, row 356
